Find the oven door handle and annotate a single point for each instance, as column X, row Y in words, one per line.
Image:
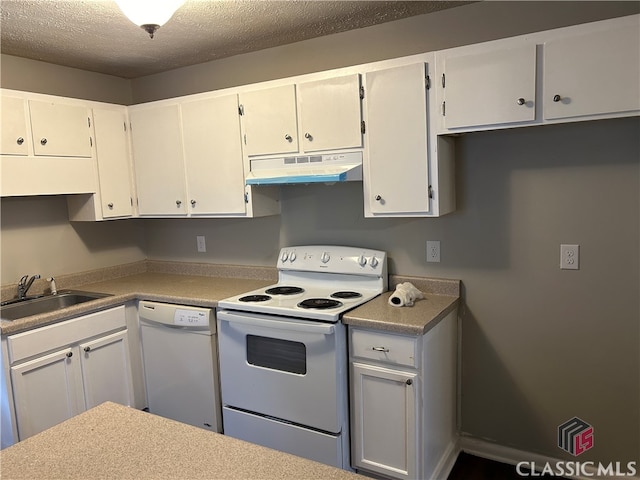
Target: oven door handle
column 268, row 323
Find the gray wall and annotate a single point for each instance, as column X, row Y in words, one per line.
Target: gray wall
column 540, row 345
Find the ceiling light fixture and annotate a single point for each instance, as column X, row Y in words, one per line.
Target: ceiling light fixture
column 150, row 15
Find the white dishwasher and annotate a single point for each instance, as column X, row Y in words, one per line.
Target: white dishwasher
column 180, row 356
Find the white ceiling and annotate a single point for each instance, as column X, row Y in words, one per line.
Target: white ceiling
column 94, row 35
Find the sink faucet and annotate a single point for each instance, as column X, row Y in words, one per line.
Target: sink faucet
column 25, row 284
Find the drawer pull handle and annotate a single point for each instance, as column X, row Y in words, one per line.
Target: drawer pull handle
column 380, row 349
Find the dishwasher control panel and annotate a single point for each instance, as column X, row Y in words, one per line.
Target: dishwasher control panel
column 197, row 318
column 191, row 318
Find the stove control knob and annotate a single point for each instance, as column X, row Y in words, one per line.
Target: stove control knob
column 284, row 256
column 292, row 257
column 325, row 257
column 374, row 262
column 362, row 260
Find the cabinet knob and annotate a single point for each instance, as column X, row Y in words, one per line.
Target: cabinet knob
column 380, row 349
column 43, row 141
column 20, row 141
column 193, row 203
column 378, row 198
column 87, row 349
column 178, row 203
column 69, row 354
column 409, row 382
column 110, row 205
column 521, row 101
column 557, row 98
column 288, row 138
column 308, row 136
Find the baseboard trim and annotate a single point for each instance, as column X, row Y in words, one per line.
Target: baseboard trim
column 447, row 461
column 492, row 451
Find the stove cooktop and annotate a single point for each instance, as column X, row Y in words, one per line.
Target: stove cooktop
column 317, row 283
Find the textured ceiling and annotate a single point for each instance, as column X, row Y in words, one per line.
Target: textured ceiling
column 94, row 35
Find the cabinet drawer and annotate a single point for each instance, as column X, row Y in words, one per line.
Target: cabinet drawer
column 384, row 347
column 40, row 340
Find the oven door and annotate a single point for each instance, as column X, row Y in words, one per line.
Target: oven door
column 287, row 368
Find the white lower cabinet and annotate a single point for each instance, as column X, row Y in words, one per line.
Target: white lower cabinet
column 384, row 443
column 63, row 369
column 403, row 401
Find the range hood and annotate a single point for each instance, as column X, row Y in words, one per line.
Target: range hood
column 325, row 168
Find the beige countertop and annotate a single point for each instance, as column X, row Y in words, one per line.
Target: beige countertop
column 204, row 285
column 111, row 441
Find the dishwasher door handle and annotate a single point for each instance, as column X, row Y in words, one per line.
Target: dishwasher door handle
column 256, row 321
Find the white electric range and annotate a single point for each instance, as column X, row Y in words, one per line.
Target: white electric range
column 283, row 351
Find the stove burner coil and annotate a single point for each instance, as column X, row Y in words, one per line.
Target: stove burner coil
column 254, row 298
column 319, row 303
column 346, row 295
column 284, row 290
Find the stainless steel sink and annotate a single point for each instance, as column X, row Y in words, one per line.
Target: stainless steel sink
column 14, row 310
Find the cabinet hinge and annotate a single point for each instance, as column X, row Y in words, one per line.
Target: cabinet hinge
column 91, row 142
column 131, row 198
column 240, row 109
column 443, row 81
column 246, row 197
column 428, row 80
column 443, row 109
column 245, row 138
column 361, row 92
column 124, row 124
column 430, row 190
column 89, row 121
column 363, row 127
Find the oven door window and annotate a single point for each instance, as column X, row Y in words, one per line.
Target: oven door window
column 277, row 354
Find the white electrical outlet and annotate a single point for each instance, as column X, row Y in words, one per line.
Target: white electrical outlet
column 569, row 257
column 433, row 251
column 202, row 246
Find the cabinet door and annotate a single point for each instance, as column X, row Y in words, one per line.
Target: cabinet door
column 213, row 156
column 60, row 130
column 490, row 88
column 384, row 420
column 112, row 150
column 47, row 391
column 270, row 121
column 330, row 113
column 14, row 132
column 396, row 173
column 158, row 160
column 592, row 74
column 106, row 370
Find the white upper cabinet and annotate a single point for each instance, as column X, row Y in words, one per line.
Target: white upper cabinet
column 114, row 198
column 15, row 132
column 592, row 74
column 330, row 117
column 60, row 130
column 330, row 113
column 213, row 156
column 47, row 145
column 397, row 171
column 158, row 157
column 112, row 145
column 583, row 72
column 489, row 88
column 270, row 120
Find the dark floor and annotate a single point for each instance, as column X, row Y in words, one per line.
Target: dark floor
column 470, row 467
